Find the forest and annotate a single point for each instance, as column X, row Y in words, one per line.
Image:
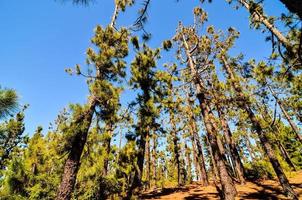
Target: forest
column 227, row 125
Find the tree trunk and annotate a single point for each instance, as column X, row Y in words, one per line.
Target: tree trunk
column 225, row 156
column 148, row 163
column 213, row 162
column 234, row 152
column 72, row 164
column 228, row 187
column 257, row 16
column 249, row 145
column 140, row 165
column 286, row 156
column 189, row 164
column 107, row 146
column 154, row 160
column 197, row 145
column 175, row 147
column 196, row 163
column 245, row 105
column 291, row 123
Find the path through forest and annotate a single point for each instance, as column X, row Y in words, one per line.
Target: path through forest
column 267, row 189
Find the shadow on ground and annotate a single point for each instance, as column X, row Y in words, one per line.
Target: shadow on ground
column 163, row 192
column 267, row 190
column 266, row 193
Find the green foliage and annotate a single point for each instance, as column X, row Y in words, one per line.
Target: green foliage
column 11, row 137
column 259, row 169
column 35, row 172
column 164, row 111
column 8, row 102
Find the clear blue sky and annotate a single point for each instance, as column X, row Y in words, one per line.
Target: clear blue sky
column 39, row 39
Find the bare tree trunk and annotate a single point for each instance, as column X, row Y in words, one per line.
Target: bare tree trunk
column 286, row 156
column 291, row 123
column 197, row 145
column 213, row 162
column 245, row 105
column 248, row 145
column 175, row 147
column 234, row 152
column 196, row 163
column 107, row 146
column 140, row 154
column 81, row 127
column 154, row 160
column 148, row 162
column 189, row 163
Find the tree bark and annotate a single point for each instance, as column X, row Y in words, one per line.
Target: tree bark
column 140, row 165
column 189, row 164
column 154, row 160
column 213, row 162
column 196, row 163
column 197, row 145
column 148, row 162
column 72, row 164
column 234, row 152
column 249, row 145
column 175, row 147
column 286, row 156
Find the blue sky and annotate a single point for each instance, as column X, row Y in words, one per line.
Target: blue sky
column 39, row 39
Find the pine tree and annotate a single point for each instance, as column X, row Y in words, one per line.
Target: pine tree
column 143, row 78
column 109, row 66
column 189, row 42
column 246, row 104
column 196, row 143
column 8, row 102
column 11, row 137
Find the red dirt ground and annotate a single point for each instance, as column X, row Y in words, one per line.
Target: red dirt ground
column 268, row 189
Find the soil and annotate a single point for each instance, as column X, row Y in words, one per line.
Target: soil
column 265, row 189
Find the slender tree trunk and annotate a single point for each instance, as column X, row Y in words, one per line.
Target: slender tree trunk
column 189, row 163
column 200, row 160
column 148, row 162
column 225, row 156
column 249, row 145
column 291, row 123
column 72, row 164
column 259, row 17
column 107, row 146
column 213, row 162
column 214, row 168
column 283, row 151
column 228, row 187
column 234, row 152
column 196, row 162
column 245, row 105
column 175, row 147
column 140, row 165
column 154, row 160
column 197, row 145
column 286, row 156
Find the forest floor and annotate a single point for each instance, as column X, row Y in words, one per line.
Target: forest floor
column 266, row 189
